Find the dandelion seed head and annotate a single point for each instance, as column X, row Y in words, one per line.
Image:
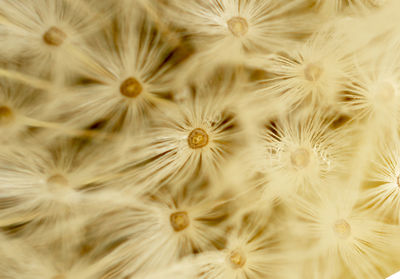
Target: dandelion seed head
column 238, row 26
column 312, row 72
column 342, row 228
column 179, row 220
column 54, row 36
column 131, row 88
column 250, row 172
column 300, row 158
column 198, row 138
column 6, row 115
column 237, row 258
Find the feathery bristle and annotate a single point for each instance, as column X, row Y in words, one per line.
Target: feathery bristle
column 199, row 139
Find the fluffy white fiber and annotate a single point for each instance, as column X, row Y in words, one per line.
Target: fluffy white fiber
column 199, row 139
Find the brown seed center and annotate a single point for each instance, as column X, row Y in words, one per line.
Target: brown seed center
column 179, row 220
column 58, row 180
column 312, row 72
column 6, row 115
column 198, row 138
column 131, row 88
column 238, row 26
column 237, row 258
column 300, row 158
column 54, row 36
column 342, row 228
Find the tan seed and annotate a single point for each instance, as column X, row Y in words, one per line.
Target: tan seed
column 237, row 258
column 54, row 36
column 342, row 228
column 198, row 138
column 131, row 88
column 312, row 72
column 300, row 158
column 238, row 26
column 58, row 180
column 179, row 220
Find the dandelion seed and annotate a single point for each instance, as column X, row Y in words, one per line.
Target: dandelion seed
column 374, row 91
column 54, row 36
column 159, row 231
column 251, row 252
column 312, row 72
column 48, row 184
column 57, row 180
column 133, row 80
column 179, row 220
column 315, row 72
column 342, row 232
column 226, row 31
column 131, row 88
column 197, row 138
column 253, row 24
column 298, row 151
column 300, row 158
column 48, row 33
column 237, row 259
column 342, row 229
column 238, row 26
